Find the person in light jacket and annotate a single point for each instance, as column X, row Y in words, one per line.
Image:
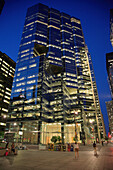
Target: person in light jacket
column 76, row 148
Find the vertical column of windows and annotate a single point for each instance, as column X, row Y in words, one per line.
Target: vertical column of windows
column 68, row 57
column 54, row 44
column 83, row 70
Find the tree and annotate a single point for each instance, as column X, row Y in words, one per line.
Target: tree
column 1, row 134
column 59, row 138
column 54, row 139
column 75, row 139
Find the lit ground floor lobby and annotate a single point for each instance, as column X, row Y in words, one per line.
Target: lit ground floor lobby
column 32, row 133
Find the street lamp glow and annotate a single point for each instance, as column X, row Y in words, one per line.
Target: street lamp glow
column 91, row 121
column 75, row 112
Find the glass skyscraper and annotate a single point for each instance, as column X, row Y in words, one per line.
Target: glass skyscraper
column 52, row 92
column 109, row 104
column 109, row 67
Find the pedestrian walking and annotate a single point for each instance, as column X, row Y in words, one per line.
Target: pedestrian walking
column 7, row 149
column 95, row 149
column 102, row 143
column 76, row 148
column 13, row 149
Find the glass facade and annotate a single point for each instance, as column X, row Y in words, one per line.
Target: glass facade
column 52, row 90
column 109, row 106
column 99, row 115
column 109, row 67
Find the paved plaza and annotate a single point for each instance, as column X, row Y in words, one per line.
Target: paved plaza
column 58, row 160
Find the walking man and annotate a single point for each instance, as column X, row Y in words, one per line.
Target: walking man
column 95, row 149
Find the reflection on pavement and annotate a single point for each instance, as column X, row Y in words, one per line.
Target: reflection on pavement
column 10, row 159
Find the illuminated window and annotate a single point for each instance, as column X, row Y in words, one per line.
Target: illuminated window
column 31, row 76
column 33, row 81
column 4, row 70
column 18, row 74
column 6, row 63
column 19, row 84
column 33, row 65
column 24, row 55
column 22, row 68
column 5, row 101
column 1, row 94
column 28, row 36
column 7, row 97
column 25, row 51
column 18, row 90
column 4, row 109
column 8, row 93
column 30, row 88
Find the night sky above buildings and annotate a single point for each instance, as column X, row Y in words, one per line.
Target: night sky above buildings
column 95, row 20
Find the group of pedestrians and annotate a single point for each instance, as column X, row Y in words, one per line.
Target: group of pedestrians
column 10, row 149
column 76, row 149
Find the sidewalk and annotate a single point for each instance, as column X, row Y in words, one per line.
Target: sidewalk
column 81, row 147
column 56, row 160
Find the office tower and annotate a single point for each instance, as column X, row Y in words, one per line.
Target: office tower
column 109, row 67
column 52, row 91
column 100, row 119
column 111, row 26
column 7, row 69
column 109, row 106
column 2, row 2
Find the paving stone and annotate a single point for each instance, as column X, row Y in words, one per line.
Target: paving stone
column 55, row 160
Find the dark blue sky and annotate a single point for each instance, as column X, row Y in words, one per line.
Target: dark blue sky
column 94, row 16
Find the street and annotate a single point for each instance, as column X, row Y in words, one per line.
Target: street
column 56, row 160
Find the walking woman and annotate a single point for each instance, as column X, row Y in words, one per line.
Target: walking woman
column 76, row 147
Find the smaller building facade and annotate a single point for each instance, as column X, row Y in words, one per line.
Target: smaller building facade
column 7, row 69
column 109, row 106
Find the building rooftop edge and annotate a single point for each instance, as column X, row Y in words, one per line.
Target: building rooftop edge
column 53, row 9
column 8, row 57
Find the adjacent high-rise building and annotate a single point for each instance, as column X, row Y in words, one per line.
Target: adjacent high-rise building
column 100, row 119
column 109, row 104
column 109, row 67
column 111, row 26
column 53, row 91
column 2, row 2
column 7, row 69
